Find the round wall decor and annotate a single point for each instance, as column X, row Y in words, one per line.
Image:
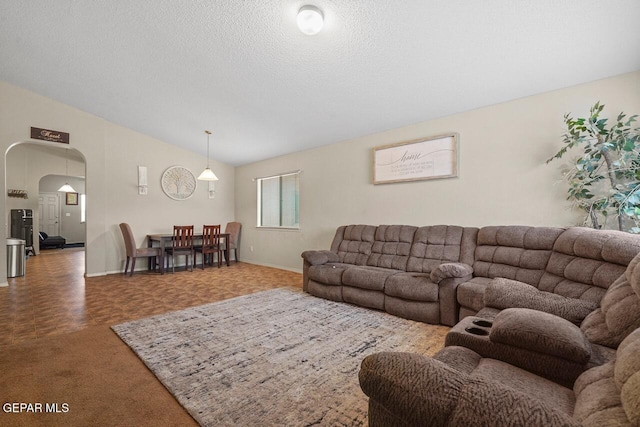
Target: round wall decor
column 178, row 183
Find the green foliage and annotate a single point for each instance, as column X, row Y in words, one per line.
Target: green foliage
column 605, row 179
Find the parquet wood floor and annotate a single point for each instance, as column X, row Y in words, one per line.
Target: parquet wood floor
column 55, row 298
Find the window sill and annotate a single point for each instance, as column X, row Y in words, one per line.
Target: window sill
column 260, row 227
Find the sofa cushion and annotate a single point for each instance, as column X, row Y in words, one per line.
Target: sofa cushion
column 609, row 394
column 541, row 333
column 412, row 286
column 433, row 245
column 391, row 246
column 320, row 257
column 514, row 252
column 329, row 274
column 471, row 294
column 407, row 389
column 536, row 387
column 619, row 313
column 353, row 243
column 449, row 270
column 627, row 376
column 598, row 399
column 505, row 293
column 585, row 262
column 372, row 278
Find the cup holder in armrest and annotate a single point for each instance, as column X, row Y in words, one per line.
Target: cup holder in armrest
column 476, row 331
column 483, row 323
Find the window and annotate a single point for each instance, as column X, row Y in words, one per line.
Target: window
column 278, row 201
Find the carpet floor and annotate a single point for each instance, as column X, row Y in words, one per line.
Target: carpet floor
column 100, row 380
column 279, row 357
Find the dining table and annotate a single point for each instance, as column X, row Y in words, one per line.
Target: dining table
column 164, row 241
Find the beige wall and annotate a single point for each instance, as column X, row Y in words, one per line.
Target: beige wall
column 503, row 177
column 112, row 154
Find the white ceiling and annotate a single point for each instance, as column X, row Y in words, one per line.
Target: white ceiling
column 173, row 68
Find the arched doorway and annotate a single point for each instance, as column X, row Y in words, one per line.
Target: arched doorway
column 26, row 164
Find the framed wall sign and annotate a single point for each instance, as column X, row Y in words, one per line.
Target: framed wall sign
column 427, row 158
column 50, row 135
column 72, row 198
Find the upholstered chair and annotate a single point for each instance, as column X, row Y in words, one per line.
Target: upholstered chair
column 233, row 228
column 134, row 252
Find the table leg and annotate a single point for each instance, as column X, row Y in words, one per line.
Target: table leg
column 226, row 249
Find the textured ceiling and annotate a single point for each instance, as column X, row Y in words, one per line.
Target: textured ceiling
column 173, row 68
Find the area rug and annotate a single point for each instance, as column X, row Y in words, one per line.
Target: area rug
column 279, row 357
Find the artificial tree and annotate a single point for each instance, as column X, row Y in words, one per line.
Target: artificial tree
column 605, row 178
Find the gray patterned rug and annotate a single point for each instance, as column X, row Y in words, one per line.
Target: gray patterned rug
column 279, row 357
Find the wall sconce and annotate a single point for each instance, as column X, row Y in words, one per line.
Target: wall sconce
column 142, row 181
column 212, row 189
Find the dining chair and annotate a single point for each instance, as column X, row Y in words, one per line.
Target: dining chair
column 181, row 244
column 134, row 252
column 210, row 244
column 233, row 229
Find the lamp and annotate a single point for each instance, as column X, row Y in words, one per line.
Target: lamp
column 310, row 20
column 207, row 174
column 66, row 188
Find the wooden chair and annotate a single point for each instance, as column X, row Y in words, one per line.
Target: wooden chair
column 210, row 244
column 181, row 244
column 133, row 252
column 233, row 228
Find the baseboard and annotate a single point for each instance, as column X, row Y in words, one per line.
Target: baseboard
column 279, row 267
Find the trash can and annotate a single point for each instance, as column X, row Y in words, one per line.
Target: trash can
column 15, row 257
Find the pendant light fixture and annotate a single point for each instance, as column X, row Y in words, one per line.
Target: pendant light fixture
column 207, row 174
column 66, row 188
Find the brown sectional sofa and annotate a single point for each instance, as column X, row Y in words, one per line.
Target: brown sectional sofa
column 458, row 387
column 484, row 383
column 440, row 274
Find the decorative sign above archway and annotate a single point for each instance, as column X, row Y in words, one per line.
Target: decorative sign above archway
column 50, row 135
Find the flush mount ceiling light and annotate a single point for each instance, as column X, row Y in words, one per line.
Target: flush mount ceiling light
column 207, row 174
column 66, row 188
column 310, row 20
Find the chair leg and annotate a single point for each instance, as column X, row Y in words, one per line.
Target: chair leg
column 133, row 266
column 126, row 265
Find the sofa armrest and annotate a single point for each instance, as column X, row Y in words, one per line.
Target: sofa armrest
column 449, row 270
column 320, row 257
column 412, row 389
column 506, row 293
column 540, row 333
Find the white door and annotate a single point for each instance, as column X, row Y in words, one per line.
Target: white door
column 49, row 212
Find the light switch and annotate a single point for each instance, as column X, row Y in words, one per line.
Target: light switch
column 67, row 214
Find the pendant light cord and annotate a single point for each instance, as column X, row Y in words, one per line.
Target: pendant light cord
column 208, row 133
